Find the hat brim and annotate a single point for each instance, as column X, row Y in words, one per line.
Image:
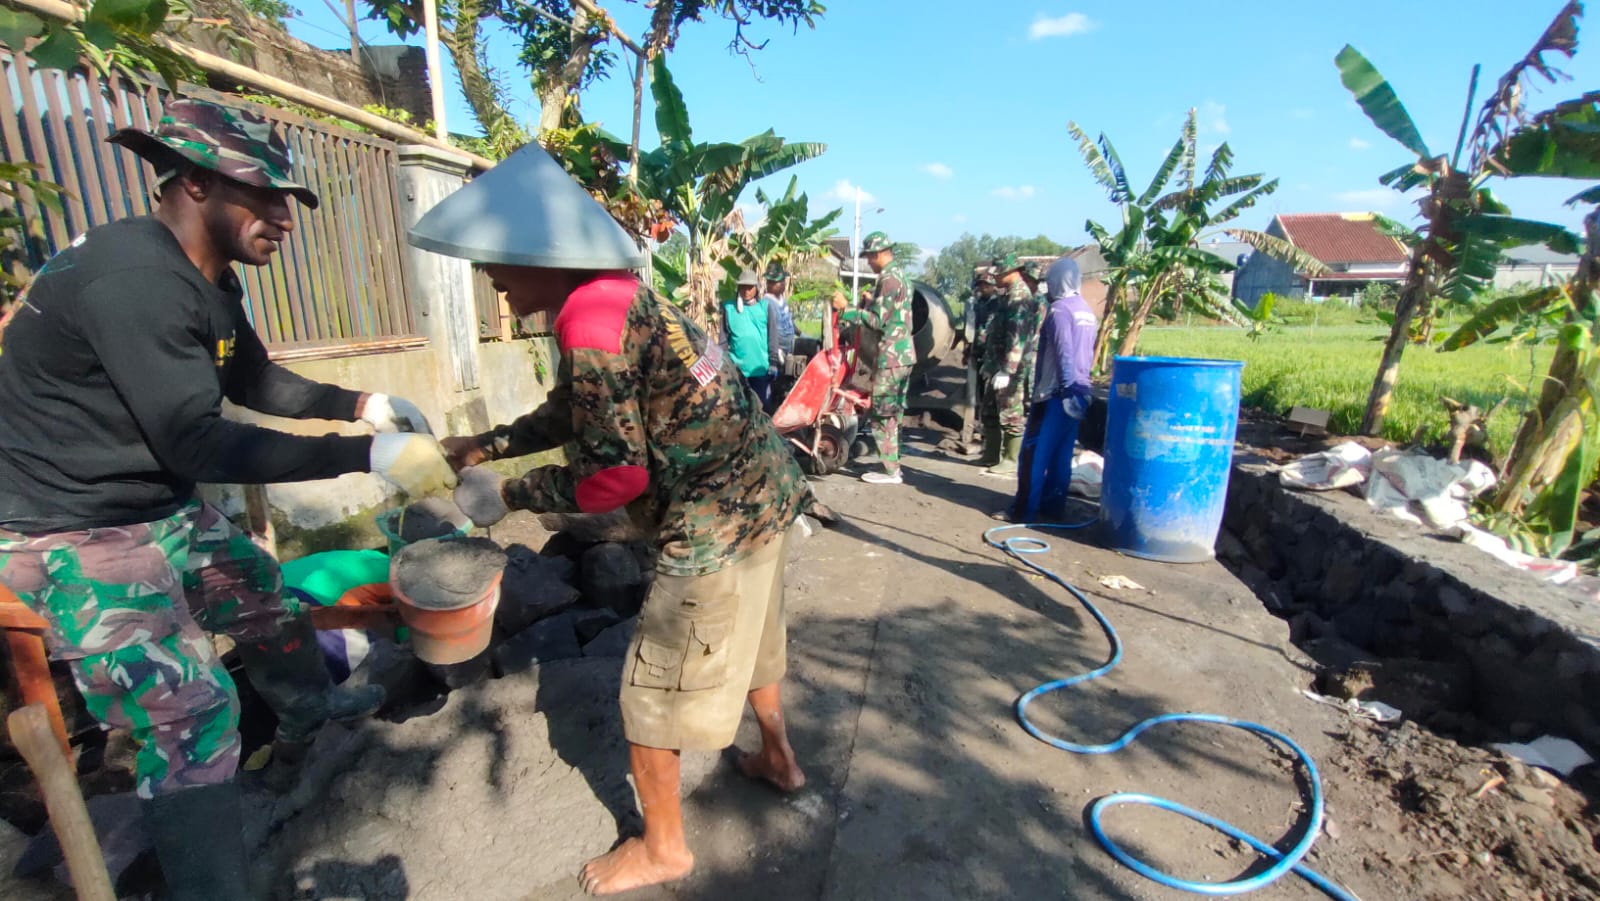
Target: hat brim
column 158, row 153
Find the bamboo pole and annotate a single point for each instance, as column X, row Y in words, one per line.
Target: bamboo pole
column 66, row 12
column 430, row 24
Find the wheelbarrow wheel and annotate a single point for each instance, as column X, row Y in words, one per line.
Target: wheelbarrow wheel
column 833, row 447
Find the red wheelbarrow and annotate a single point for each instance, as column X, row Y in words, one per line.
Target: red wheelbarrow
column 819, row 414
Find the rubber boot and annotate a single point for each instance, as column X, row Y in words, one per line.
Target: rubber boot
column 198, row 835
column 290, row 675
column 992, row 450
column 1010, row 451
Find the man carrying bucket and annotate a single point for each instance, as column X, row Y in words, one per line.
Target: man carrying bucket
column 112, row 375
column 657, row 422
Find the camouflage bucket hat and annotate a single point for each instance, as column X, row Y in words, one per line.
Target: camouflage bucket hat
column 1005, row 264
column 775, row 272
column 1031, row 270
column 236, row 143
column 875, row 242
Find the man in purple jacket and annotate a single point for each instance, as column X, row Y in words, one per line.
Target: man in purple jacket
column 1060, row 397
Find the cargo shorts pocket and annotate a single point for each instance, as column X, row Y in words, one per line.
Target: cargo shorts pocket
column 687, row 650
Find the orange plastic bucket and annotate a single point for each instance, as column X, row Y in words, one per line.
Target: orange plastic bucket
column 448, row 625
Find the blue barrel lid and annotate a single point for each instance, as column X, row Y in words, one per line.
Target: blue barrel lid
column 1178, row 361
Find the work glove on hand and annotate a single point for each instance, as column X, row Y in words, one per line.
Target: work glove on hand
column 463, row 451
column 1000, row 382
column 480, row 496
column 414, row 463
column 394, row 414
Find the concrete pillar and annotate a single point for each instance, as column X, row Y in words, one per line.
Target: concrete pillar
column 441, row 287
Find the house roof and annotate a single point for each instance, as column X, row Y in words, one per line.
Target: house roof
column 1336, row 238
column 1539, row 255
column 1229, row 251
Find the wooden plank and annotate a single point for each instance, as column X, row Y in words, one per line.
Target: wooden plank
column 323, row 323
column 339, row 226
column 358, row 249
column 95, row 203
column 61, row 153
column 133, row 189
column 11, row 138
column 39, row 149
column 394, row 268
column 302, row 290
column 96, row 93
column 371, row 242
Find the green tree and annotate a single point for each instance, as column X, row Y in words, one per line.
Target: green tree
column 1155, row 257
column 787, row 232
column 1465, row 227
column 564, row 45
column 950, row 270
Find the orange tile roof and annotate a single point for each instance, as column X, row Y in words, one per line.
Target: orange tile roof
column 1337, row 238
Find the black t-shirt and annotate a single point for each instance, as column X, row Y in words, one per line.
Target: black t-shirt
column 112, row 374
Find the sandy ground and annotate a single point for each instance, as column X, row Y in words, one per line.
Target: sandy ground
column 909, row 641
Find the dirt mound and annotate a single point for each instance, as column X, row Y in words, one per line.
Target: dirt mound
column 509, row 786
column 1441, row 820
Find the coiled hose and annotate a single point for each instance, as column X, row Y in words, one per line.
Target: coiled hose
column 1020, row 547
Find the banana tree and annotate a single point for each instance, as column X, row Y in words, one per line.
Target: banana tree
column 699, row 185
column 1557, row 447
column 1465, row 229
column 786, row 233
column 1155, row 258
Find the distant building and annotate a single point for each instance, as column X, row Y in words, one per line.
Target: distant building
column 1534, row 266
column 1351, row 245
column 1233, row 252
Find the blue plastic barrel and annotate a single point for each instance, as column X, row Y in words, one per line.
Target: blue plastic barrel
column 1170, row 426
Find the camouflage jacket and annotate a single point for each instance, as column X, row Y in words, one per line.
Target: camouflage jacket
column 1013, row 338
column 983, row 310
column 659, row 422
column 889, row 311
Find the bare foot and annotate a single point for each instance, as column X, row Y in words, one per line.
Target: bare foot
column 630, row 866
column 784, row 775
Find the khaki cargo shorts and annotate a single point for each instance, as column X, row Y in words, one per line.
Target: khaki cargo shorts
column 702, row 644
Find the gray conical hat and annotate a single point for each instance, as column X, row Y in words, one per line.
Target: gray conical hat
column 527, row 211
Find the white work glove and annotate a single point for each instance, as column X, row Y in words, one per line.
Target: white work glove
column 394, row 414
column 1000, row 381
column 414, row 463
column 480, row 495
column 1075, row 406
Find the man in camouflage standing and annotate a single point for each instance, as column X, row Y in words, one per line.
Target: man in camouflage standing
column 985, row 299
column 112, row 376
column 889, row 313
column 657, row 422
column 1013, row 341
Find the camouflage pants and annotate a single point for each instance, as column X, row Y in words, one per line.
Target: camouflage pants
column 1008, row 406
column 883, row 417
column 129, row 607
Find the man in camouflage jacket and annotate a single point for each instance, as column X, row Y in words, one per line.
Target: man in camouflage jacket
column 1013, row 341
column 658, row 422
column 889, row 313
column 112, row 376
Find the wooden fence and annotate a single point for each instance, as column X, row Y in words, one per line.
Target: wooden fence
column 337, row 286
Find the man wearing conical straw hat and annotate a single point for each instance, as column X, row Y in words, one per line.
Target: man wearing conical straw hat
column 658, row 422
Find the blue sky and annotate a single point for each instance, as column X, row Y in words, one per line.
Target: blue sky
column 953, row 116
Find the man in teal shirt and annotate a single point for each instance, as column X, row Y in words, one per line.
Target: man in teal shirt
column 751, row 336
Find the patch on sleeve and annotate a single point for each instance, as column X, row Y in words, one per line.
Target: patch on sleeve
column 611, row 488
column 682, row 337
column 596, row 314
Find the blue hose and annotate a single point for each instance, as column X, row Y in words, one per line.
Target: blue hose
column 1020, row 547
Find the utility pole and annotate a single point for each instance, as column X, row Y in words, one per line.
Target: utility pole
column 355, row 38
column 430, row 15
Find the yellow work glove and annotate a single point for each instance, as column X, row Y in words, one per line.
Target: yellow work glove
column 413, row 462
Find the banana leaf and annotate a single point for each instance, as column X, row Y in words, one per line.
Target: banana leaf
column 1378, row 100
column 1279, row 249
column 1095, row 160
column 1508, row 231
column 672, row 115
column 1500, row 313
column 1562, row 142
column 1174, row 156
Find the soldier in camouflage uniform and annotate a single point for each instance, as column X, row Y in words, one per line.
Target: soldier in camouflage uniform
column 656, row 421
column 112, row 376
column 889, row 313
column 985, row 298
column 1013, row 341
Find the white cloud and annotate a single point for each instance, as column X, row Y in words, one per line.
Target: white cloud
column 1022, row 192
column 1212, row 117
column 958, row 218
column 845, row 192
column 938, row 170
column 1060, row 27
column 1358, row 144
column 1301, row 113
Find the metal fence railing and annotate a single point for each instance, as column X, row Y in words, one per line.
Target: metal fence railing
column 337, row 287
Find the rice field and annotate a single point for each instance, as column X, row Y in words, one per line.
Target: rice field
column 1332, row 367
